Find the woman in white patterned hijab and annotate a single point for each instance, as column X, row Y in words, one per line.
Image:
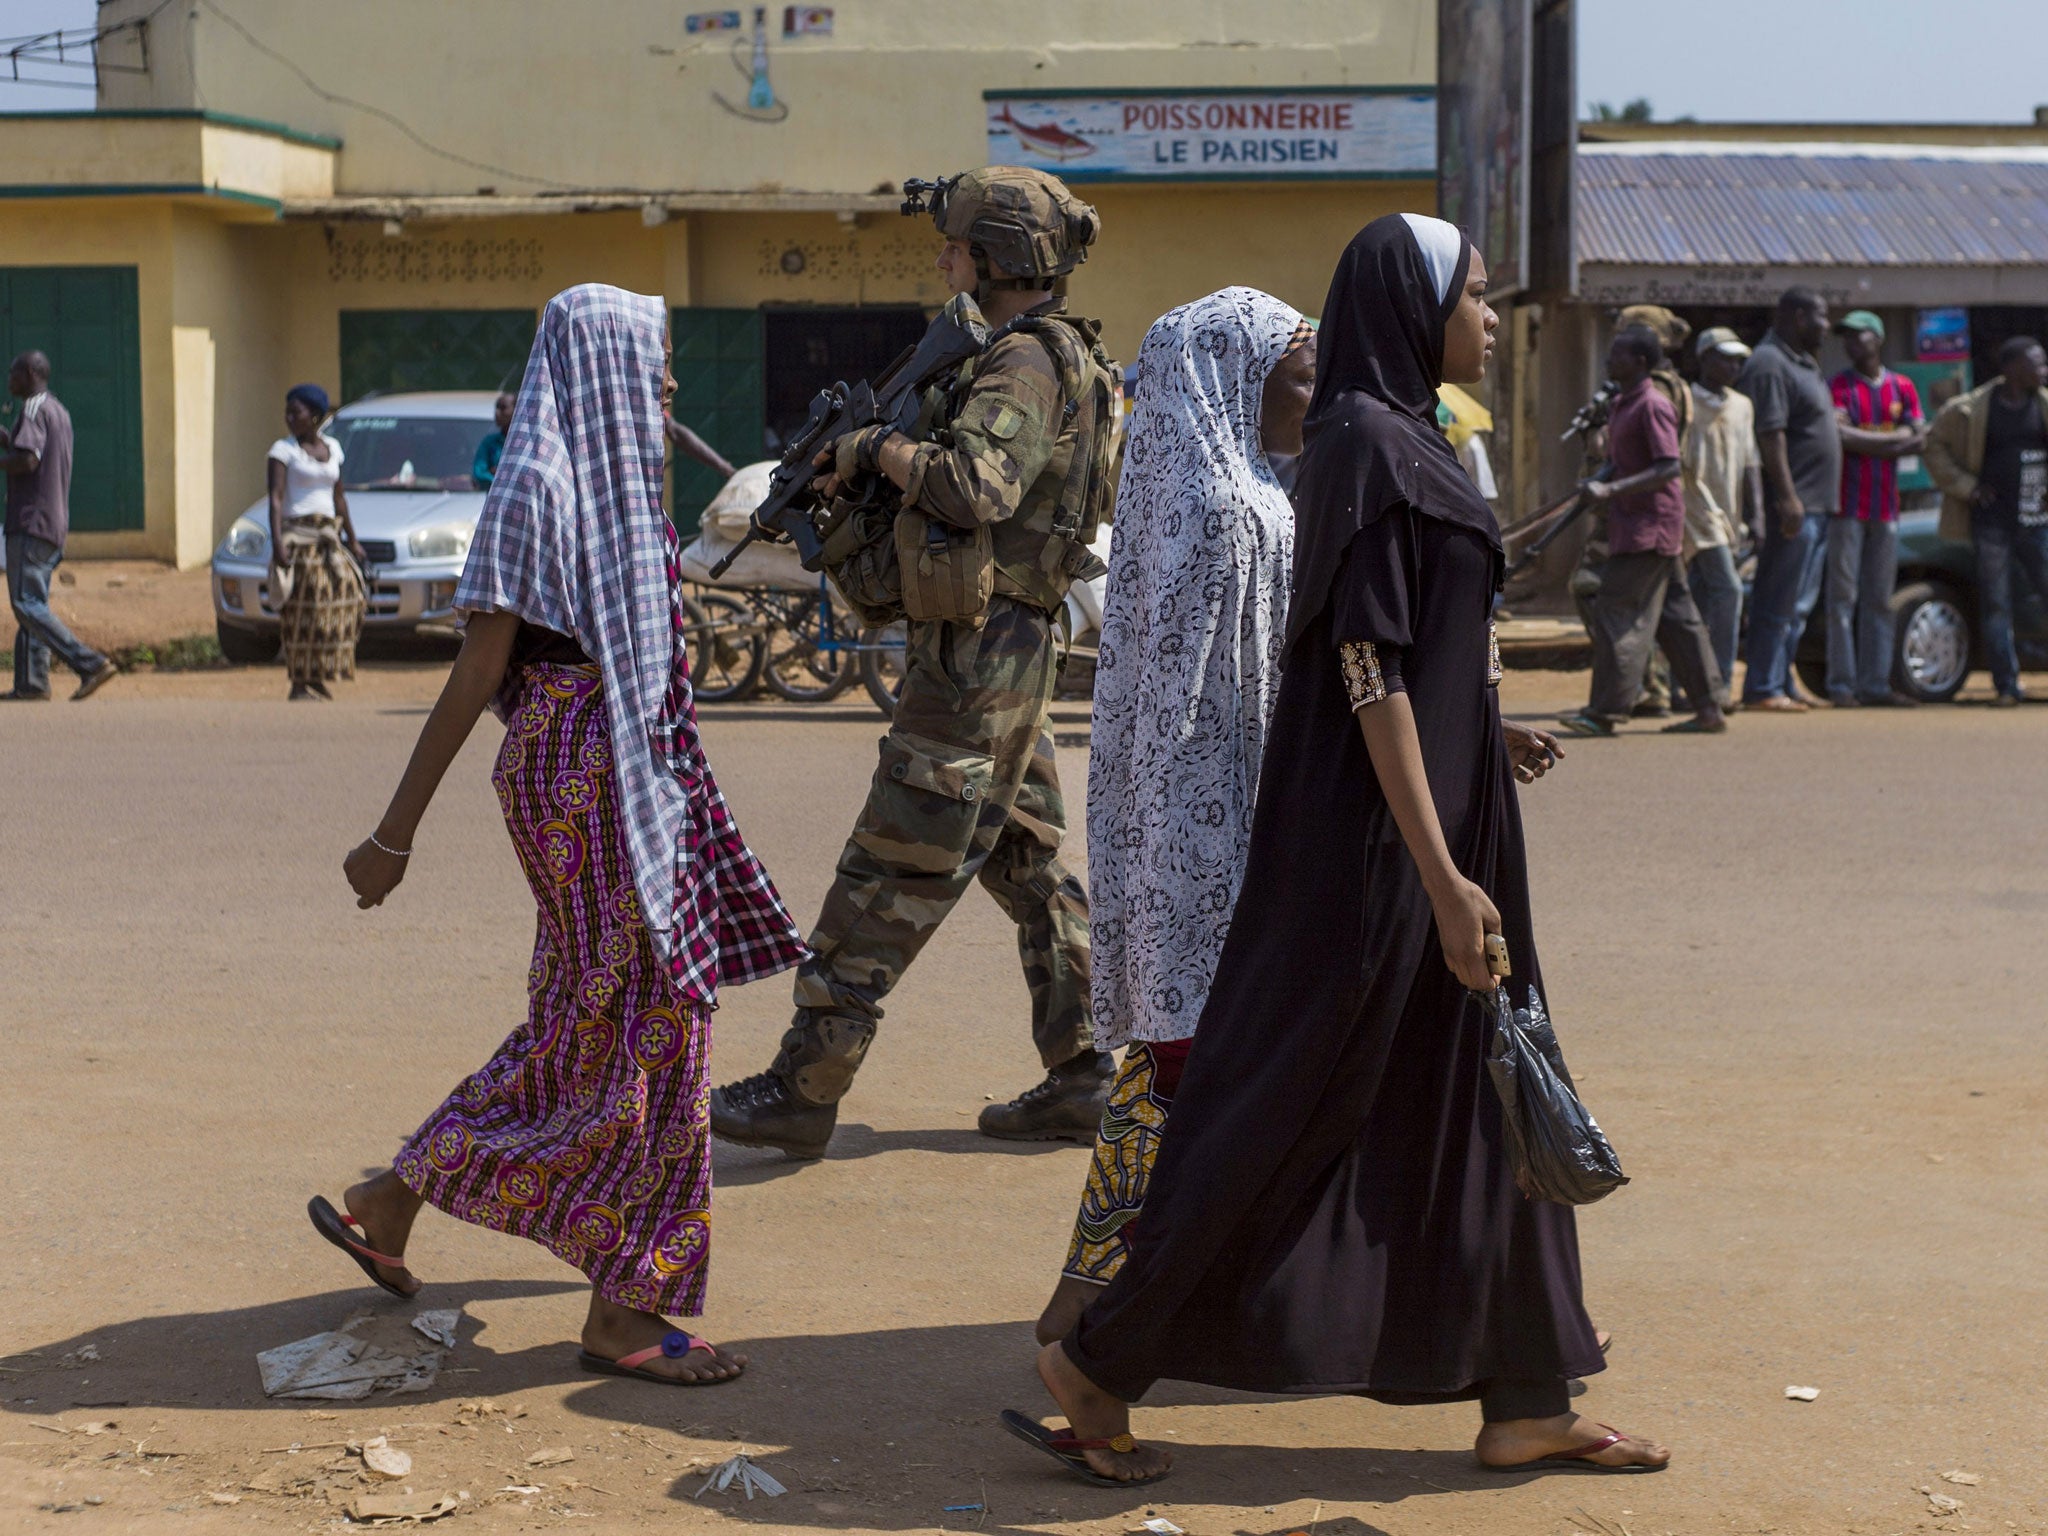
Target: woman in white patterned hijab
column 1190, row 664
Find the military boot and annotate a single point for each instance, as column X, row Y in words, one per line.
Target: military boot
column 1067, row 1106
column 794, row 1105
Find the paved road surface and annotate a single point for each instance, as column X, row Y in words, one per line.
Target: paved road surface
column 1799, row 971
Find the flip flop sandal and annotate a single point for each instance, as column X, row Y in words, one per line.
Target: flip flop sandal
column 1066, row 1450
column 340, row 1229
column 1583, row 725
column 1693, row 728
column 673, row 1346
column 1576, row 1459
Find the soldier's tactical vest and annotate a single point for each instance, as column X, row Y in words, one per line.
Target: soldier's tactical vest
column 891, row 563
column 1043, row 549
column 948, row 573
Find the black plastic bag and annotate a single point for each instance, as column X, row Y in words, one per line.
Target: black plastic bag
column 1557, row 1149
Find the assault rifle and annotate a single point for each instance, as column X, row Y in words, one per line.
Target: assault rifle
column 1566, row 509
column 791, row 507
column 1593, row 414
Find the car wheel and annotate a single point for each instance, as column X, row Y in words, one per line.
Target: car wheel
column 1930, row 642
column 245, row 647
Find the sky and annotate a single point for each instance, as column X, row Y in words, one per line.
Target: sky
column 1825, row 60
column 21, row 18
column 1968, row 61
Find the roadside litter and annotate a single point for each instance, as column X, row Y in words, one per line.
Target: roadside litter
column 89, row 1427
column 338, row 1479
column 365, row 1354
column 1802, row 1394
column 401, row 1508
column 438, row 1324
column 386, row 1460
column 740, row 1471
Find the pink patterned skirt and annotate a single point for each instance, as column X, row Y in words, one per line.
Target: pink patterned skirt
column 587, row 1131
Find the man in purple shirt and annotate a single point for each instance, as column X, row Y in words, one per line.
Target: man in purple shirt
column 1644, row 597
column 36, row 455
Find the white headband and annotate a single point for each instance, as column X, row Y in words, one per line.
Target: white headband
column 1441, row 246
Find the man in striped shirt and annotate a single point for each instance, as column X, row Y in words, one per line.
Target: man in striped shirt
column 1879, row 413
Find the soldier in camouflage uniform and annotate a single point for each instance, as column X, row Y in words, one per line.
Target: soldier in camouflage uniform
column 967, row 788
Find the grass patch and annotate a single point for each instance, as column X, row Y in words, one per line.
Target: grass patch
column 187, row 653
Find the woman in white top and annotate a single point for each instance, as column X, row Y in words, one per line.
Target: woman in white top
column 316, row 561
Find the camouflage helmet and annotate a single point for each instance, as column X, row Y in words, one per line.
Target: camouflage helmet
column 1024, row 225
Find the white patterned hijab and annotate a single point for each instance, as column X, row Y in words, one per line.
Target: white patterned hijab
column 1189, row 661
column 1202, row 371
column 573, row 538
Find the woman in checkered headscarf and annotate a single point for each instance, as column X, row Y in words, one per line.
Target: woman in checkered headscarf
column 587, row 1130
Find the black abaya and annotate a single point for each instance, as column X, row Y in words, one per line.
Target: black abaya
column 1333, row 1208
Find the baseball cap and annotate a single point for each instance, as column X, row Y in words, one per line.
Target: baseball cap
column 1861, row 320
column 1719, row 338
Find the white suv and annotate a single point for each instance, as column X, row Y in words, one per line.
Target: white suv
column 406, row 462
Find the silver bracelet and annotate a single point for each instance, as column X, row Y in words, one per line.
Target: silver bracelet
column 396, row 853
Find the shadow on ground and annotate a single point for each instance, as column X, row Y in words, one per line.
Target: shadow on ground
column 944, row 1388
column 878, row 1430
column 810, row 714
column 736, row 1165
column 149, row 1361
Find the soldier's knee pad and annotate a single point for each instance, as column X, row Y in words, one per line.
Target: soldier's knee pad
column 821, row 1052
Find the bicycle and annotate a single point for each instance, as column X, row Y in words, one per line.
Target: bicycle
column 727, row 646
column 806, row 646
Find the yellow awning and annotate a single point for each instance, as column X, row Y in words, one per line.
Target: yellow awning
column 1466, row 414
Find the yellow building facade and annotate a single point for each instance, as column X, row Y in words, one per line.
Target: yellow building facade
column 382, row 195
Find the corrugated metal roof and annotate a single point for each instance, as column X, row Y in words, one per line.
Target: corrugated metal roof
column 1788, row 205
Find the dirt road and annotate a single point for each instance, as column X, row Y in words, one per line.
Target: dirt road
column 114, row 604
column 1798, row 969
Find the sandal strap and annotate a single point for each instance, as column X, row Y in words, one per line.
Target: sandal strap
column 389, row 1261
column 1122, row 1444
column 1591, row 1448
column 675, row 1345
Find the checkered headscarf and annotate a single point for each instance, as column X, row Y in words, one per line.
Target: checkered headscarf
column 573, row 538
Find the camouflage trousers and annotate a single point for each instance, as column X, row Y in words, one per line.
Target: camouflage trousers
column 966, row 789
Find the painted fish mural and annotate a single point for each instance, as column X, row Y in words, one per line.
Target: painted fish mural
column 1048, row 139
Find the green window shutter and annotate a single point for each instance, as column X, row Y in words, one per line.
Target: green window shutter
column 393, row 350
column 84, row 319
column 719, row 397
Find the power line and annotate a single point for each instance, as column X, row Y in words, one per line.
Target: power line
column 412, row 133
column 52, row 50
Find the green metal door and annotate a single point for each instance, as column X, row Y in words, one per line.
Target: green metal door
column 719, row 397
column 83, row 319
column 389, row 350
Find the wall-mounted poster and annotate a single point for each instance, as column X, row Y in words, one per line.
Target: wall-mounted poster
column 1482, row 72
column 1942, row 335
column 1343, row 133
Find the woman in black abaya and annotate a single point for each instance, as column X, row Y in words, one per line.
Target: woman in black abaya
column 1334, row 1211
